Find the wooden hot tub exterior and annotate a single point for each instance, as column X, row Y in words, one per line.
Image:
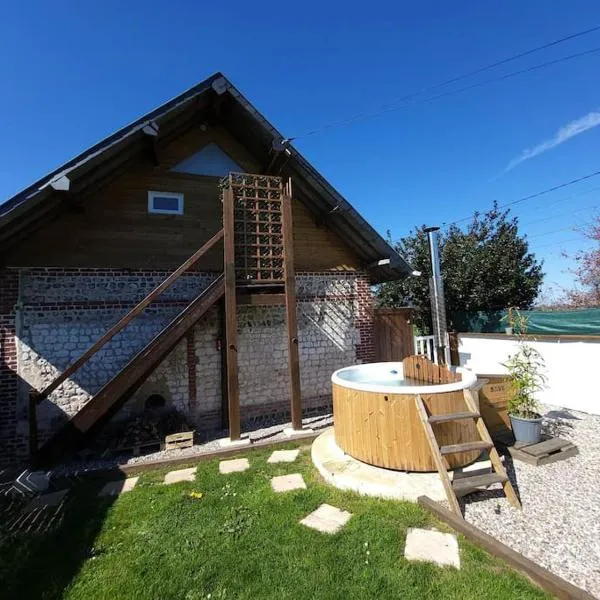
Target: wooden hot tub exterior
column 385, row 429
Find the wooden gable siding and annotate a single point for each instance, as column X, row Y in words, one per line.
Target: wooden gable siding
column 114, row 228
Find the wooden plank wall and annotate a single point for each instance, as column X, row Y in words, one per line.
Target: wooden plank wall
column 114, row 229
column 393, row 334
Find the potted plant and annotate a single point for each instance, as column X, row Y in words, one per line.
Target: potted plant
column 526, row 377
column 508, row 317
column 516, row 323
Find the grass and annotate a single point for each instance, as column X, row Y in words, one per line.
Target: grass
column 240, row 540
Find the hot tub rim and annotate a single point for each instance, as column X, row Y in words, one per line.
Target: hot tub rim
column 469, row 379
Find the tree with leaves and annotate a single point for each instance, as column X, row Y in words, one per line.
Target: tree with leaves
column 587, row 272
column 485, row 267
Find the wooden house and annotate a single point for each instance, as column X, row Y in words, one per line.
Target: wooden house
column 277, row 297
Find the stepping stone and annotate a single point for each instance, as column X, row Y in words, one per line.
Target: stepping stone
column 181, row 475
column 287, row 483
column 283, row 456
column 432, row 546
column 47, row 500
column 327, row 519
column 115, row 488
column 237, row 465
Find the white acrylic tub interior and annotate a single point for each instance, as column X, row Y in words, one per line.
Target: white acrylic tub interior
column 388, row 378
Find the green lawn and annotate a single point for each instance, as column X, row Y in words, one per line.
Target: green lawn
column 240, row 540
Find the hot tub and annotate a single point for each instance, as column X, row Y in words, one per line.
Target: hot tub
column 376, row 420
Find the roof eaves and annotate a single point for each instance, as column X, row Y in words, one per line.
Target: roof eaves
column 354, row 221
column 348, row 212
column 108, row 142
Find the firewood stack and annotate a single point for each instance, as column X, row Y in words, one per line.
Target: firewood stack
column 149, row 428
column 139, row 430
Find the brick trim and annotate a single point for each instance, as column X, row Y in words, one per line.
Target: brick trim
column 9, row 379
column 365, row 323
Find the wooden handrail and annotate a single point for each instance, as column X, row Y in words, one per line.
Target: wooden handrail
column 136, row 310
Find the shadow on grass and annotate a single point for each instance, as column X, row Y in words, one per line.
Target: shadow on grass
column 42, row 565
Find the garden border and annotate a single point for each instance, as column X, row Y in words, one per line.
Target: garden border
column 202, row 456
column 545, row 579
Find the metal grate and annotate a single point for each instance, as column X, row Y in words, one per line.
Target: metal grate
column 258, row 227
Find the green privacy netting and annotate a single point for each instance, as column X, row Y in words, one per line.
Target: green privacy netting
column 574, row 322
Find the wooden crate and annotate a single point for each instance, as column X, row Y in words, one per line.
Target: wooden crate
column 493, row 401
column 544, row 453
column 175, row 441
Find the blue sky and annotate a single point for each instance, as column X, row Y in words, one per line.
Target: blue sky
column 74, row 72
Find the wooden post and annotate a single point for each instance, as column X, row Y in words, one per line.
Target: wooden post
column 290, row 306
column 223, row 348
column 233, row 391
column 33, row 430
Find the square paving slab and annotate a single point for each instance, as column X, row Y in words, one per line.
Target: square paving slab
column 233, row 466
column 181, row 475
column 287, row 483
column 47, row 500
column 327, row 519
column 114, row 488
column 283, row 456
column 432, row 546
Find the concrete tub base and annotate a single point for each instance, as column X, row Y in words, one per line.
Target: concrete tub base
column 346, row 473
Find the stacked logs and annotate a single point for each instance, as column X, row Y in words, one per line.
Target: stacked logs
column 149, row 428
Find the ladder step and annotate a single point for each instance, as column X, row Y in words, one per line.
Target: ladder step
column 434, row 419
column 467, row 447
column 475, row 481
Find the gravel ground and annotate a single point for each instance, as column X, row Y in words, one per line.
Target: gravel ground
column 559, row 526
column 266, row 431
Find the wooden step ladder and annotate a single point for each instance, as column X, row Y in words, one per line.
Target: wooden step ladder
column 465, row 485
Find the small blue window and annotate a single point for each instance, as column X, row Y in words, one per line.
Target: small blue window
column 165, row 203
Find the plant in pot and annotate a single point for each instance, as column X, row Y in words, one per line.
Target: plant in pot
column 516, row 323
column 526, row 377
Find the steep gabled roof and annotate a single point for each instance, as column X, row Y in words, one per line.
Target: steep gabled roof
column 219, row 99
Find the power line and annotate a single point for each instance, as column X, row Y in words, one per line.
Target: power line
column 571, row 212
column 559, row 243
column 565, row 199
column 571, row 228
column 394, row 105
column 536, row 195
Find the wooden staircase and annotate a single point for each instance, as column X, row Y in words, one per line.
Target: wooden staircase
column 108, row 400
column 464, row 485
column 258, row 259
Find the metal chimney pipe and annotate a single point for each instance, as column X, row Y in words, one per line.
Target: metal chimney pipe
column 436, row 292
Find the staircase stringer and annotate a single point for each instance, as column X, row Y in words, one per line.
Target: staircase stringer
column 497, row 465
column 438, row 459
column 111, row 397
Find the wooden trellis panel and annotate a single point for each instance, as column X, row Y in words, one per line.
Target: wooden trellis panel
column 257, row 221
column 258, row 227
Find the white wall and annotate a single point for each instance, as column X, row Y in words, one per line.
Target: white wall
column 572, row 367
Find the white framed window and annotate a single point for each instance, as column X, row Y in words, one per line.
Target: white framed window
column 165, row 203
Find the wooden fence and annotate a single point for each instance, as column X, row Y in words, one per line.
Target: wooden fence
column 393, row 334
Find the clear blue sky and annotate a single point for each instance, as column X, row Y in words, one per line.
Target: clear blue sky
column 74, row 72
